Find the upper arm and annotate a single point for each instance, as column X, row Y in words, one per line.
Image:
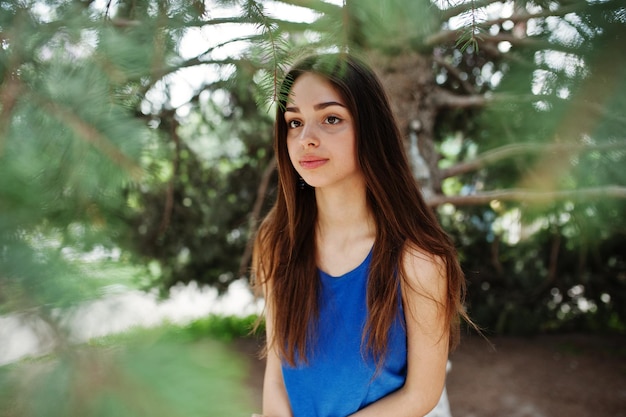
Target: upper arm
column 275, row 400
column 424, row 296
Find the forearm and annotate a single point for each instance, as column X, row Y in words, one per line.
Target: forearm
column 275, row 401
column 401, row 403
column 275, row 398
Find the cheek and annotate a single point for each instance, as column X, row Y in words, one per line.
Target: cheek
column 291, row 151
column 349, row 150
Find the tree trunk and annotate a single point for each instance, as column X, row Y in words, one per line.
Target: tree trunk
column 410, row 84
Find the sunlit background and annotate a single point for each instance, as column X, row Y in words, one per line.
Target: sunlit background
column 135, row 164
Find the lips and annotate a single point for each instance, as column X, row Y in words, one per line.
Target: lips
column 312, row 162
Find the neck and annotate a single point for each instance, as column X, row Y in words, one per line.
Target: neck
column 343, row 215
column 345, row 229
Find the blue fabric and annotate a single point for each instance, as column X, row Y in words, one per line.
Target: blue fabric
column 340, row 377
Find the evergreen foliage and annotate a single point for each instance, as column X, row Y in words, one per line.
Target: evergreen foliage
column 513, row 114
column 165, row 371
column 139, row 133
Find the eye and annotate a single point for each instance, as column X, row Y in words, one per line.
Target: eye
column 293, row 124
column 333, row 120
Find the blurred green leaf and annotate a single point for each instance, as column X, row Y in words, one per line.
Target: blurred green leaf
column 146, row 373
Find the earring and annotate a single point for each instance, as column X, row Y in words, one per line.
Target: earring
column 301, row 183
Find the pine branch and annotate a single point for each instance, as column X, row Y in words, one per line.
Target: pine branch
column 273, row 52
column 445, row 36
column 90, row 134
column 124, row 23
column 285, row 25
column 464, row 8
column 509, row 151
column 525, row 16
column 454, row 71
column 471, row 34
column 589, row 106
column 159, row 73
column 444, row 98
column 448, row 36
column 316, row 5
column 530, row 196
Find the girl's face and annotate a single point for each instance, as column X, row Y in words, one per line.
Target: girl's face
column 320, row 134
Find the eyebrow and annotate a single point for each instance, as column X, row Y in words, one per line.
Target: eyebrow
column 319, row 106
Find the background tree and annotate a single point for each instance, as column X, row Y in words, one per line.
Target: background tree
column 513, row 115
column 512, row 112
column 78, row 142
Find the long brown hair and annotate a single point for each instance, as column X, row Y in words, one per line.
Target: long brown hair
column 284, row 260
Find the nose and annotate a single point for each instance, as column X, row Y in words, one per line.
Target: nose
column 308, row 137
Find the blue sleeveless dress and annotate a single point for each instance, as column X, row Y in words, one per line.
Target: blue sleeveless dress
column 340, row 377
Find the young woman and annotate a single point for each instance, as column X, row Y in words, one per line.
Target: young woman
column 363, row 288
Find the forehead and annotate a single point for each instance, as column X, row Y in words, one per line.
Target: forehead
column 311, row 88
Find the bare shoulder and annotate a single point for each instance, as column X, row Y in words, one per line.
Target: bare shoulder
column 424, row 272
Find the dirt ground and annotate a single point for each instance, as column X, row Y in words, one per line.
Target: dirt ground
column 544, row 376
